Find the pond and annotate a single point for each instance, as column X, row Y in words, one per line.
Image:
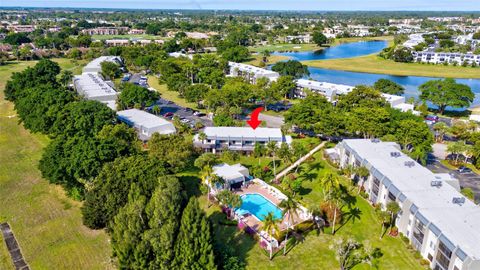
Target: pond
column 355, row 49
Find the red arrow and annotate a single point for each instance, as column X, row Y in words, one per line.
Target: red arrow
column 254, row 122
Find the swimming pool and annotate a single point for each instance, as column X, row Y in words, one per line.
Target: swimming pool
column 259, row 206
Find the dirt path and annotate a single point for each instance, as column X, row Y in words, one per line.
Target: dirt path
column 13, row 247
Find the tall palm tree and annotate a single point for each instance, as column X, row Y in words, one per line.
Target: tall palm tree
column 290, row 209
column 330, row 183
column 393, row 208
column 230, row 199
column 456, row 148
column 272, row 149
column 362, row 172
column 270, row 226
column 206, row 174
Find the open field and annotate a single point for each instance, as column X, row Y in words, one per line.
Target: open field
column 46, row 223
column 315, row 252
column 271, row 59
column 374, row 64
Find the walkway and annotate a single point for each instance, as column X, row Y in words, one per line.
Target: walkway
column 13, row 247
column 299, row 161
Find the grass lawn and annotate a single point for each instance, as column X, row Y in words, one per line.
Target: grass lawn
column 314, row 251
column 171, row 95
column 46, row 223
column 374, row 64
column 271, row 59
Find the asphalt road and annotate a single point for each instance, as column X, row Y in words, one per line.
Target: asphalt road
column 272, row 121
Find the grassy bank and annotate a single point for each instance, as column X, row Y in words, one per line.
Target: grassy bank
column 374, row 64
column 271, row 59
column 339, row 41
column 314, row 251
column 47, row 224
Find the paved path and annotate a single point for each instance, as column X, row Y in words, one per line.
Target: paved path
column 13, row 247
column 299, row 161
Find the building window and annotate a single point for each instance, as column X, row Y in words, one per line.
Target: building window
column 430, row 257
column 418, row 234
column 443, row 256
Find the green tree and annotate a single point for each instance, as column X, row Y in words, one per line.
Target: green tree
column 440, row 129
column 330, row 183
column 230, row 199
column 236, row 54
column 272, row 149
column 393, row 208
column 319, row 38
column 164, row 211
column 402, row 55
column 290, row 210
column 446, row 92
column 110, row 70
column 112, row 185
column 136, row 96
column 193, row 248
column 66, row 77
column 284, row 86
column 175, row 150
column 389, row 87
column 349, row 253
column 270, row 226
column 291, row 68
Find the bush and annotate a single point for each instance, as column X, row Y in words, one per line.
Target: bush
column 328, row 210
column 424, row 262
column 417, row 255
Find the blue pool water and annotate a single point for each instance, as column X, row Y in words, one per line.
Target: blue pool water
column 258, row 206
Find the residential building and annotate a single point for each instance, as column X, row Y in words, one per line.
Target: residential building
column 105, row 31
column 251, row 73
column 117, row 42
column 329, row 90
column 22, row 28
column 441, row 223
column 146, row 123
column 238, row 138
column 298, row 39
column 233, row 175
column 92, row 86
column 136, row 32
column 446, row 58
column 196, row 35
column 413, row 40
column 398, row 102
column 95, row 65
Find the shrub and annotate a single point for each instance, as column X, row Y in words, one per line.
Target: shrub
column 424, row 262
column 417, row 255
column 328, row 209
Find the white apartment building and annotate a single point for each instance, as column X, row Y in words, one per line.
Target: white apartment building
column 146, row 123
column 251, row 73
column 298, row 38
column 438, row 220
column 238, row 138
column 92, row 86
column 449, row 58
column 413, row 40
column 96, row 64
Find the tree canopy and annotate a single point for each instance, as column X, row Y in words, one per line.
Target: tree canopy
column 136, row 96
column 446, row 92
column 291, row 68
column 389, row 87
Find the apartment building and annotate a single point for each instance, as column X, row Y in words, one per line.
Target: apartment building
column 146, row 124
column 298, row 39
column 95, row 65
column 251, row 73
column 217, row 139
column 105, row 31
column 446, row 58
column 93, row 87
column 438, row 220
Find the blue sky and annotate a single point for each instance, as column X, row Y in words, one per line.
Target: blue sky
column 467, row 5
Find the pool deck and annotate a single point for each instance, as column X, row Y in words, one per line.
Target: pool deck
column 250, row 219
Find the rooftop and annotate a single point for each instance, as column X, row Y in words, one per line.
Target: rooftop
column 142, row 118
column 459, row 223
column 243, row 132
column 254, row 69
column 95, row 64
column 325, row 86
column 92, row 86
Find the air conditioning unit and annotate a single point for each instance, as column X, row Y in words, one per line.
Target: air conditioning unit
column 375, row 140
column 436, row 183
column 409, row 163
column 458, row 200
column 395, row 154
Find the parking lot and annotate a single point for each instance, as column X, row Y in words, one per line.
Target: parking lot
column 466, row 180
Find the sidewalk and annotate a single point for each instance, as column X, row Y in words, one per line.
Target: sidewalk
column 299, row 161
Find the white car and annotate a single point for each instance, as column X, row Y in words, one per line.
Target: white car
column 185, row 121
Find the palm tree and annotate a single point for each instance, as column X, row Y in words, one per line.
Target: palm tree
column 440, row 129
column 265, row 55
column 383, row 218
column 206, row 174
column 156, row 109
column 270, row 226
column 202, row 136
column 290, row 208
column 393, row 208
column 298, row 150
column 330, row 184
column 230, row 199
column 362, row 172
column 456, row 148
column 272, row 150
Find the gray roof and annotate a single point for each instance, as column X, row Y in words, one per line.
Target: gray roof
column 92, row 86
column 459, row 223
column 95, row 64
column 147, row 120
column 244, row 132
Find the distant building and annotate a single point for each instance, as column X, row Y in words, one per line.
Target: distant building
column 298, row 39
column 440, row 223
column 105, row 31
column 251, row 73
column 238, row 138
column 446, row 58
column 117, row 42
column 196, row 35
column 136, row 32
column 146, row 123
column 22, row 28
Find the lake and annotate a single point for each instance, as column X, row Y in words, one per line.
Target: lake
column 347, row 50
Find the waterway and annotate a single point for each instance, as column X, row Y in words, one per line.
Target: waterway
column 355, row 49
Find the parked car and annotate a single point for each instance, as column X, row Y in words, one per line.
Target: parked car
column 431, row 118
column 464, row 169
column 168, row 115
column 185, row 121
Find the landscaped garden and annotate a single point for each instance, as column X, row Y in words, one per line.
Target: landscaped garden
column 315, row 250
